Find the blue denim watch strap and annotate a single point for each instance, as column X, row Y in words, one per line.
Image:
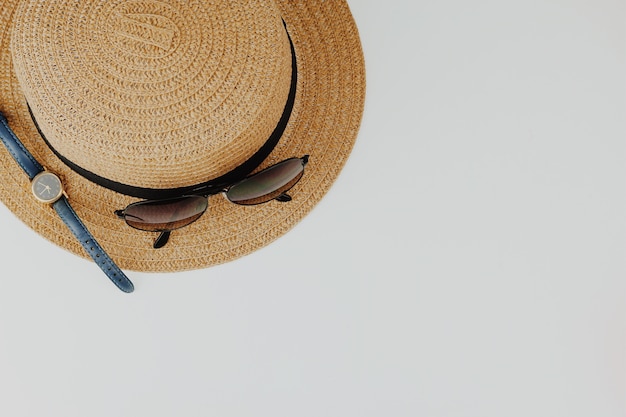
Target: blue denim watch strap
column 92, row 247
column 30, row 165
column 21, row 155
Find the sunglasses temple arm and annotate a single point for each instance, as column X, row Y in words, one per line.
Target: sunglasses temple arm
column 162, row 239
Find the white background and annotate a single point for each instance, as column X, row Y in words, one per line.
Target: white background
column 469, row 261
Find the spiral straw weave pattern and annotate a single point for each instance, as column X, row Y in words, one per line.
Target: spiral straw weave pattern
column 171, row 93
column 149, row 94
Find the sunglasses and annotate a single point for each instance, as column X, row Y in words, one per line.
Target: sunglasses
column 164, row 216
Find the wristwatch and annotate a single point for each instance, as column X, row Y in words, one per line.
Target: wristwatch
column 48, row 189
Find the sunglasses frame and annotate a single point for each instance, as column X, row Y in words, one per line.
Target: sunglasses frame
column 164, row 235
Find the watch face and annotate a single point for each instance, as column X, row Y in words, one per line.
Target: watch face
column 47, row 187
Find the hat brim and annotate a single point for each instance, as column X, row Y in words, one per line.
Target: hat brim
column 324, row 124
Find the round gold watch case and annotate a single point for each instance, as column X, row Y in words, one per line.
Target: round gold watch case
column 47, row 187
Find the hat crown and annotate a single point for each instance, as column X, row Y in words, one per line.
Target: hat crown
column 156, row 94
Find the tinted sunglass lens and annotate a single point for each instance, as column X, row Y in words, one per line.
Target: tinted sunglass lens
column 267, row 184
column 156, row 216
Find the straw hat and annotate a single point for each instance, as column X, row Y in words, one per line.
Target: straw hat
column 162, row 94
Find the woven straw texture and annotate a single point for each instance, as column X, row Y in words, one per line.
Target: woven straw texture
column 164, row 94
